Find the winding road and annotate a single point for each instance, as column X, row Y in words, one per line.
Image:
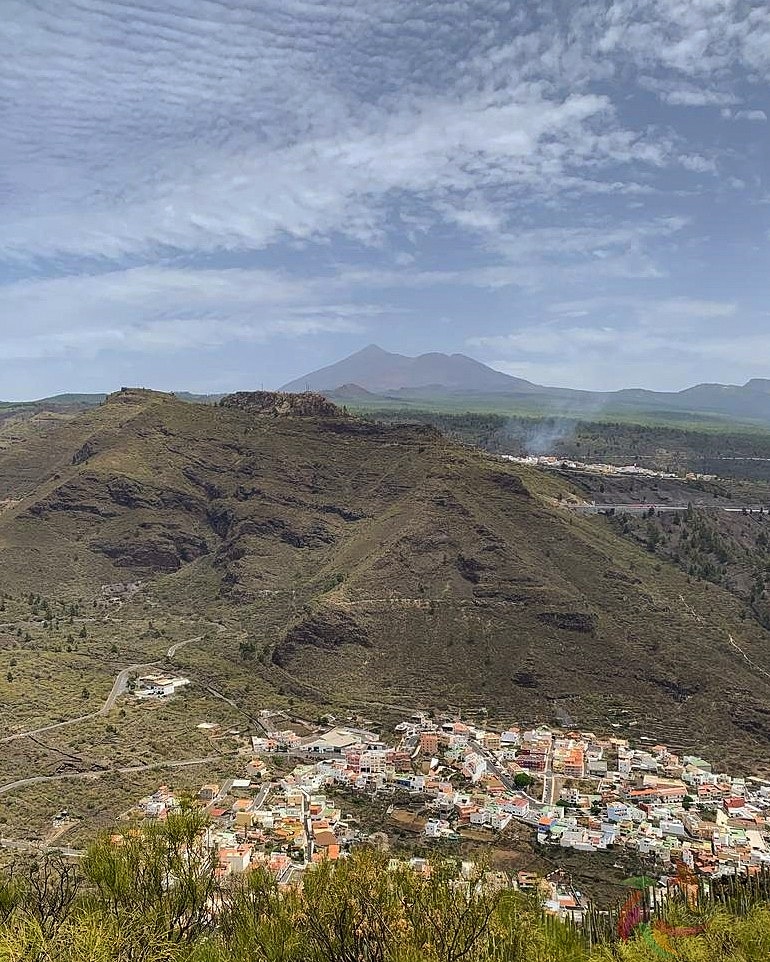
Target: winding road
column 118, row 688
column 127, row 770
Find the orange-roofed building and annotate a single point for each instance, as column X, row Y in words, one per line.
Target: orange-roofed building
column 707, row 790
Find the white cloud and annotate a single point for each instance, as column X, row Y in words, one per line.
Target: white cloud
column 757, row 116
column 697, row 38
column 384, row 151
column 609, row 344
column 237, row 199
column 678, row 93
column 227, row 125
column 152, row 309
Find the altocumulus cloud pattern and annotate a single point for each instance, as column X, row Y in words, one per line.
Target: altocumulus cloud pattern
column 575, row 192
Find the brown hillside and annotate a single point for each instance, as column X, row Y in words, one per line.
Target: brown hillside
column 381, row 566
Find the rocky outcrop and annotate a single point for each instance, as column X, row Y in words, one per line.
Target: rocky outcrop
column 81, row 496
column 569, row 621
column 137, row 395
column 84, row 453
column 277, row 404
column 328, row 631
column 509, row 483
column 470, row 568
column 162, row 551
column 131, row 493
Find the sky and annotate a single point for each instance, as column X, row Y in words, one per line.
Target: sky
column 209, row 195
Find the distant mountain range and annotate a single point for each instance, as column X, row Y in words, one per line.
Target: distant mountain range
column 373, row 372
column 373, row 378
column 380, row 372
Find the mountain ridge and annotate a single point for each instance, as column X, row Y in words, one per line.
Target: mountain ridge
column 368, row 564
column 380, row 372
column 375, row 370
column 373, row 374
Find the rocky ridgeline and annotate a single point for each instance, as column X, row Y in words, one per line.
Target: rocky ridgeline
column 277, row 404
column 137, row 395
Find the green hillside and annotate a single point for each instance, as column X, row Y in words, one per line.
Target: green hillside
column 708, row 447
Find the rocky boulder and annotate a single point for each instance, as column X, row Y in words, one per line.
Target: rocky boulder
column 278, row 404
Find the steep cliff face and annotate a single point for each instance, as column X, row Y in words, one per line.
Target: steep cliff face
column 278, row 404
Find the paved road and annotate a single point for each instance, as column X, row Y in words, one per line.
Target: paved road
column 637, row 508
column 48, row 728
column 121, row 683
column 505, row 777
column 259, row 801
column 127, row 770
column 40, row 847
column 180, row 644
column 118, row 688
column 305, row 815
column 549, row 784
column 493, row 765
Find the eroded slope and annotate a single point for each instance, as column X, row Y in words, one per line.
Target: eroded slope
column 381, row 566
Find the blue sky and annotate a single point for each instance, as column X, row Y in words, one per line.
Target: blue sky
column 217, row 194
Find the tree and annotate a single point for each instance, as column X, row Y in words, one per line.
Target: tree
column 41, row 890
column 653, row 536
column 159, row 882
column 260, row 924
column 247, row 650
column 451, row 928
column 523, row 780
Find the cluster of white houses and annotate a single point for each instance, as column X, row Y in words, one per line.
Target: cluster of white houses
column 575, row 789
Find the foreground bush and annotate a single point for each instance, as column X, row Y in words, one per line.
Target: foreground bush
column 155, row 897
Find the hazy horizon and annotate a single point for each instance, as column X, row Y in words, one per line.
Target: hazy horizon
column 187, row 389
column 231, row 193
